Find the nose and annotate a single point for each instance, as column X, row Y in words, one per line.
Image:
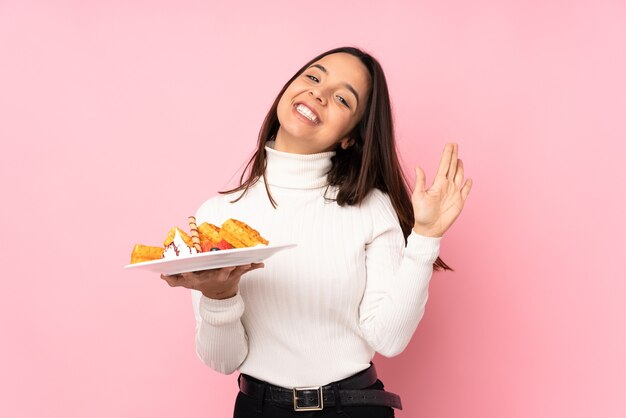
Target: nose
column 318, row 95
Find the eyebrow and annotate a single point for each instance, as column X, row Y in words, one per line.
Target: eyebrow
column 347, row 85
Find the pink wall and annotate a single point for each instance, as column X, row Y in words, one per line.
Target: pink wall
column 101, row 102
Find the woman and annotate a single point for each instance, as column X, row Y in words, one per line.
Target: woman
column 325, row 176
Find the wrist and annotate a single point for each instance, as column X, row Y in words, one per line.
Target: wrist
column 427, row 232
column 220, row 295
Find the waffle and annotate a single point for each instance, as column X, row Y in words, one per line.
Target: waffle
column 209, row 233
column 241, row 235
column 143, row 253
column 233, row 233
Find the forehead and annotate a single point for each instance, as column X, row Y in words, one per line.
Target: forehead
column 347, row 68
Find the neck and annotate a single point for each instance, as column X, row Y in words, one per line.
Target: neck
column 287, row 143
column 296, row 171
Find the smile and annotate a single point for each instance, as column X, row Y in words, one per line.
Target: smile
column 307, row 113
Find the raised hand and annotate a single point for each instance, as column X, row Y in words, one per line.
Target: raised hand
column 437, row 208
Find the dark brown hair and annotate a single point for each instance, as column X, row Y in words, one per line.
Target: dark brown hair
column 371, row 162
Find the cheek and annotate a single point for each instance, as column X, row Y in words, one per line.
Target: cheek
column 283, row 107
column 343, row 123
column 285, row 98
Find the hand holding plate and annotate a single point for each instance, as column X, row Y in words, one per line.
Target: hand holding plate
column 214, row 284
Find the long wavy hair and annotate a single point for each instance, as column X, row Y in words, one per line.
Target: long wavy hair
column 371, row 162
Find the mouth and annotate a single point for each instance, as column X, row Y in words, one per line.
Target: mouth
column 307, row 113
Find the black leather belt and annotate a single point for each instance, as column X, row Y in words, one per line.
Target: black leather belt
column 350, row 392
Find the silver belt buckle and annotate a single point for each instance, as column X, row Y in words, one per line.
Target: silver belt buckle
column 320, row 399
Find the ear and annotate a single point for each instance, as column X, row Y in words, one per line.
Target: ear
column 347, row 142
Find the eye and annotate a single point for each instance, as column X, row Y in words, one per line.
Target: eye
column 313, row 78
column 342, row 100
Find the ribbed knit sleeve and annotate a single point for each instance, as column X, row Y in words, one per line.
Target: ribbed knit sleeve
column 221, row 340
column 397, row 279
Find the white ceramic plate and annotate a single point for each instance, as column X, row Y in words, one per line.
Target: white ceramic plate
column 211, row 259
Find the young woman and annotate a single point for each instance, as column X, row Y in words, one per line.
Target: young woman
column 303, row 329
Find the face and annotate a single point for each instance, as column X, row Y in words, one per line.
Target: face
column 319, row 109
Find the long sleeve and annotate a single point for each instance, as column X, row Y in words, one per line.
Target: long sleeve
column 397, row 279
column 221, row 341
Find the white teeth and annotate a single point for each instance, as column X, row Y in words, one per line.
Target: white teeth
column 306, row 112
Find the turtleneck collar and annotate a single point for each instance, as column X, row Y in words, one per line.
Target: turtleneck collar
column 296, row 171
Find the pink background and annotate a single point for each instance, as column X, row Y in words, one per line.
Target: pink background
column 118, row 118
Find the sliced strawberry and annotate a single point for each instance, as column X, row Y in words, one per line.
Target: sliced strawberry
column 224, row 245
column 207, row 245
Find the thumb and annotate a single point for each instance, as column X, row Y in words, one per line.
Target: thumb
column 420, row 180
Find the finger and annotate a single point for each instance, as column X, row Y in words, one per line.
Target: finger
column 189, row 276
column 444, row 164
column 173, row 280
column 236, row 274
column 240, row 270
column 191, row 279
column 453, row 162
column 254, row 266
column 466, row 189
column 170, row 276
column 420, row 180
column 458, row 177
column 225, row 273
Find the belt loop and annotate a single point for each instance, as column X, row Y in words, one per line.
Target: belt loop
column 259, row 406
column 339, row 410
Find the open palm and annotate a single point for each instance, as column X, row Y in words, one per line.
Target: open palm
column 437, row 207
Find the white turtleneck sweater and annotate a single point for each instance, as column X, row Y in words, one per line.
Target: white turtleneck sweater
column 316, row 313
